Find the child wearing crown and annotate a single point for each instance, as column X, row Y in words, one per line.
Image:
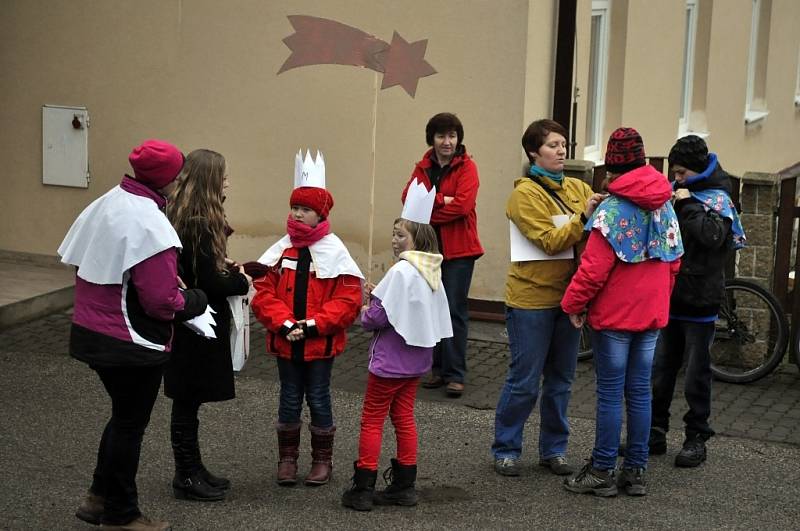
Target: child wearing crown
column 409, row 315
column 309, row 296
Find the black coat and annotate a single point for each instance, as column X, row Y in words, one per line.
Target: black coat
column 200, row 369
column 706, row 242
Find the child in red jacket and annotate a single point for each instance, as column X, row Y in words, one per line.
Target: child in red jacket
column 309, row 296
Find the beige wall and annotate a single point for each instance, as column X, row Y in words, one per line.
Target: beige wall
column 202, row 73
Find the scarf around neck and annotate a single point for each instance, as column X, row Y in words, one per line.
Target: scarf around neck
column 303, row 235
column 538, row 171
column 636, row 234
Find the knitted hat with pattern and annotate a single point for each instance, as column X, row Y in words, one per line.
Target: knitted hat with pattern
column 625, row 151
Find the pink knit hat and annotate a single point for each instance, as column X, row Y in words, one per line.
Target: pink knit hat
column 156, row 163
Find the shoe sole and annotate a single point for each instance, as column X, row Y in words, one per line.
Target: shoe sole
column 286, row 482
column 316, row 483
column 181, row 495
column 635, row 490
column 680, row 463
column 564, row 472
column 607, row 492
column 357, row 507
column 87, row 517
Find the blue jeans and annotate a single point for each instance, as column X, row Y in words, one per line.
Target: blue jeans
column 450, row 355
column 622, row 362
column 309, row 378
column 543, row 344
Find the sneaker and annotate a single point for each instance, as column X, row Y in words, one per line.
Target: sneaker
column 632, row 481
column 507, row 466
column 557, row 465
column 692, row 454
column 592, row 481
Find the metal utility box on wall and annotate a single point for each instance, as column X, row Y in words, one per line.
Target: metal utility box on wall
column 65, row 146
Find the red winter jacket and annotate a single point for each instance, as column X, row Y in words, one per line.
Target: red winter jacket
column 621, row 295
column 332, row 303
column 456, row 223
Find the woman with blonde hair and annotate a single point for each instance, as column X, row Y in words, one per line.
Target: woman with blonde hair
column 200, row 369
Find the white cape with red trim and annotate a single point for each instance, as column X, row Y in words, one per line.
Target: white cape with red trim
column 329, row 257
column 114, row 233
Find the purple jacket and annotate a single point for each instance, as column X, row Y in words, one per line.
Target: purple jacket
column 129, row 324
column 389, row 356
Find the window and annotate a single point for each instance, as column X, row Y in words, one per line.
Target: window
column 596, row 84
column 756, row 105
column 797, row 85
column 688, row 66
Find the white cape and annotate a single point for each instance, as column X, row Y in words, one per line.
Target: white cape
column 418, row 313
column 329, row 256
column 114, row 233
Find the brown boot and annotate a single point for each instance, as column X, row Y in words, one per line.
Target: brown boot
column 322, row 454
column 289, row 450
column 142, row 523
column 91, row 508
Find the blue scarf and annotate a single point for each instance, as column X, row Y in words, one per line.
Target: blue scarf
column 719, row 201
column 535, row 171
column 636, row 234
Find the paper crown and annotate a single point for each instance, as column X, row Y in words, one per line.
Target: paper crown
column 309, row 172
column 419, row 203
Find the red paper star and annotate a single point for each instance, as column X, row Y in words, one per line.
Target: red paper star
column 404, row 64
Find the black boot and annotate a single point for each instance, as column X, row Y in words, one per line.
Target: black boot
column 400, row 488
column 218, row 482
column 359, row 496
column 189, row 483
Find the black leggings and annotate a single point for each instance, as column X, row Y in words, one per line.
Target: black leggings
column 133, row 391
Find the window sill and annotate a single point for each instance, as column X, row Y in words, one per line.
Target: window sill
column 797, row 101
column 751, row 117
column 701, row 134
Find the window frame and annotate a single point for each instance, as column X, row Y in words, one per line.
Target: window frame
column 751, row 114
column 685, row 109
column 601, row 9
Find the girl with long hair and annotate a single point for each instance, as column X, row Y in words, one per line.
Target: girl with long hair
column 200, row 369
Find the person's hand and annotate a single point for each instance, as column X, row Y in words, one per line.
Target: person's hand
column 181, row 283
column 365, row 307
column 681, row 193
column 368, row 287
column 577, row 319
column 295, row 335
column 248, row 277
column 591, row 204
column 448, row 199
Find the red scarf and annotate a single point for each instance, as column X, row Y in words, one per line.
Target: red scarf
column 302, row 235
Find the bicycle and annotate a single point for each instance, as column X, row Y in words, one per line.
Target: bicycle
column 750, row 337
column 751, row 333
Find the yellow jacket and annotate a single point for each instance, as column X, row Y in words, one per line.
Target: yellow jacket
column 541, row 284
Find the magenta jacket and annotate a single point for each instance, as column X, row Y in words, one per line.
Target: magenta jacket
column 130, row 324
column 389, row 356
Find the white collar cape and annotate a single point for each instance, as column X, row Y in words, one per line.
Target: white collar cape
column 418, row 313
column 329, row 255
column 114, row 233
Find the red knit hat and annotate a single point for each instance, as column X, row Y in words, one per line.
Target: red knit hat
column 156, row 163
column 625, row 151
column 317, row 198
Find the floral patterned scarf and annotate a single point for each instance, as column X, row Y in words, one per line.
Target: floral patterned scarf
column 635, row 234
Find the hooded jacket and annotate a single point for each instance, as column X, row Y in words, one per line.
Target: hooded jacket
column 706, row 240
column 630, row 297
column 390, row 355
column 456, row 224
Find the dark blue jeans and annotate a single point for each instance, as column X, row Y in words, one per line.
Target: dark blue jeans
column 543, row 345
column 679, row 340
column 623, row 362
column 311, row 379
column 450, row 355
column 133, row 391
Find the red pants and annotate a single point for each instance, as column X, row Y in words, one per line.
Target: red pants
column 395, row 397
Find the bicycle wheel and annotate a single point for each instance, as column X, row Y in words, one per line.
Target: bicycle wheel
column 751, row 333
column 585, row 345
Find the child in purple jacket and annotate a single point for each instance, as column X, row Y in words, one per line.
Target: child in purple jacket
column 409, row 315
